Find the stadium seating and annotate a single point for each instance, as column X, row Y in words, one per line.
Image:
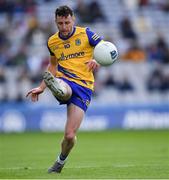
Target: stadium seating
column 148, row 22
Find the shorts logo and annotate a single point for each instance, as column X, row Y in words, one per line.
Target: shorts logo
column 87, row 102
column 78, row 42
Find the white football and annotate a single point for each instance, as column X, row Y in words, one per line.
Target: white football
column 105, row 53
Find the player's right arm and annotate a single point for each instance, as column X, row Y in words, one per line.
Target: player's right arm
column 35, row 92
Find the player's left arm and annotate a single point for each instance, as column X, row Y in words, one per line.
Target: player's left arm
column 94, row 39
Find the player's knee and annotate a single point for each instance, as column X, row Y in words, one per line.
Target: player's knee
column 67, row 91
column 70, row 136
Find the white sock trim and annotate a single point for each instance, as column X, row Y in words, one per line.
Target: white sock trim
column 60, row 161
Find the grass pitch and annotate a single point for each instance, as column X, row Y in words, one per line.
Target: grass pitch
column 97, row 155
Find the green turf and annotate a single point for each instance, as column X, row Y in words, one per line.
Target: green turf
column 111, row 154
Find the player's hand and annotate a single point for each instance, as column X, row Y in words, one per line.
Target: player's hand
column 34, row 93
column 93, row 65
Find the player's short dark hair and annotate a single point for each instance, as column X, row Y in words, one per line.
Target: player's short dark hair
column 63, row 11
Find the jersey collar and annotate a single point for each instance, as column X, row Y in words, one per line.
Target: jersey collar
column 65, row 38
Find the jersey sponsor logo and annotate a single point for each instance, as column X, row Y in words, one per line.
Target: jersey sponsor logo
column 95, row 37
column 77, row 42
column 71, row 56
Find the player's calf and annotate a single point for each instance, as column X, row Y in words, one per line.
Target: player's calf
column 58, row 87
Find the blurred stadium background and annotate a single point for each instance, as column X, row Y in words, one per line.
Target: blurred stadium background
column 131, row 94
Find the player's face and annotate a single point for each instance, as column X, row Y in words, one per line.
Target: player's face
column 65, row 25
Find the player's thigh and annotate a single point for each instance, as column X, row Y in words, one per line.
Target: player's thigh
column 74, row 118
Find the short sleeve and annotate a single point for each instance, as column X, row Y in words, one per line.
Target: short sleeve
column 94, row 38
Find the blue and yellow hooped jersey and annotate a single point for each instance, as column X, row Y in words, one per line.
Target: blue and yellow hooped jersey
column 73, row 53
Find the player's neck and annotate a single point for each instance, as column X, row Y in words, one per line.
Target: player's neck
column 69, row 35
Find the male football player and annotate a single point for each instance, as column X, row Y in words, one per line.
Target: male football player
column 69, row 75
